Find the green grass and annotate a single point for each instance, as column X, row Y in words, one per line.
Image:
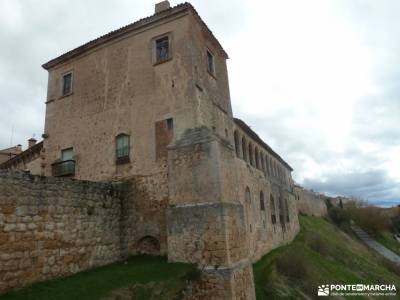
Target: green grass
column 387, row 239
column 99, row 282
column 324, row 254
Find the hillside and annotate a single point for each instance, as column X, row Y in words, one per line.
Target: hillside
column 320, row 254
column 139, row 278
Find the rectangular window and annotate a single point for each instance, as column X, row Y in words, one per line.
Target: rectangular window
column 170, row 124
column 67, row 84
column 122, row 150
column 210, row 63
column 162, row 49
column 67, row 154
column 66, row 165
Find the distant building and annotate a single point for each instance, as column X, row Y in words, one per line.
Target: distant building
column 30, row 160
column 8, row 153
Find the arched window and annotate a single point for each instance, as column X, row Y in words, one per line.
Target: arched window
column 262, row 162
column 122, row 148
column 247, row 197
column 273, row 210
column 244, row 150
column 281, row 210
column 236, row 137
column 256, row 158
column 287, row 210
column 251, row 154
column 266, row 165
column 262, row 205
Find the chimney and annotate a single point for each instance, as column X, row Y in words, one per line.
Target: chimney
column 31, row 142
column 161, row 6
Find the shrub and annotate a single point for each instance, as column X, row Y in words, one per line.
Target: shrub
column 292, row 264
column 339, row 216
column 316, row 243
column 371, row 219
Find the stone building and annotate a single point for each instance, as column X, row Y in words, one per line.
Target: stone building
column 8, row 153
column 30, row 160
column 149, row 104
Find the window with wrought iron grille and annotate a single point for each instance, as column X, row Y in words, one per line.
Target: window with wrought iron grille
column 122, row 149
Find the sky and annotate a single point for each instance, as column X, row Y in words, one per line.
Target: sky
column 319, row 81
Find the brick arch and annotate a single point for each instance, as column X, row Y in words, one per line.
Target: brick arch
column 148, row 245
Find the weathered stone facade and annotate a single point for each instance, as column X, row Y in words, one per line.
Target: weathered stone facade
column 309, row 202
column 199, row 185
column 30, row 160
column 51, row 227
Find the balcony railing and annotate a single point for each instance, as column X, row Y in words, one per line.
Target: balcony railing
column 63, row 168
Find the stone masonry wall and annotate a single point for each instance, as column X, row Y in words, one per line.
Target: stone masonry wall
column 310, row 203
column 52, row 227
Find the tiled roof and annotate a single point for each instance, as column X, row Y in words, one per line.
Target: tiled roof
column 129, row 28
column 35, row 148
column 246, row 128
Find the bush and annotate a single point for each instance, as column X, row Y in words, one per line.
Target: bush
column 339, row 216
column 292, row 264
column 316, row 243
column 371, row 219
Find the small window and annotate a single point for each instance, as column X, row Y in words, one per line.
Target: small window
column 122, row 150
column 210, row 63
column 162, row 49
column 67, row 154
column 170, row 124
column 262, row 205
column 67, row 84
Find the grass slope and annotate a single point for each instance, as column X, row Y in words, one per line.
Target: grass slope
column 386, row 238
column 320, row 254
column 99, row 282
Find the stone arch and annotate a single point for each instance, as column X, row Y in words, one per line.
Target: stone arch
column 262, row 162
column 287, row 210
column 256, row 158
column 262, row 204
column 237, row 145
column 148, row 245
column 247, row 199
column 244, row 151
column 272, row 208
column 281, row 211
column 251, row 154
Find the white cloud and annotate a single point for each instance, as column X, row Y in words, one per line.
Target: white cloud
column 318, row 80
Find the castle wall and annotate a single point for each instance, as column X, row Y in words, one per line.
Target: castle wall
column 310, row 203
column 53, row 227
column 263, row 234
column 117, row 89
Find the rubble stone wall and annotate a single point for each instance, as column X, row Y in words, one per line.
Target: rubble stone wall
column 52, row 227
